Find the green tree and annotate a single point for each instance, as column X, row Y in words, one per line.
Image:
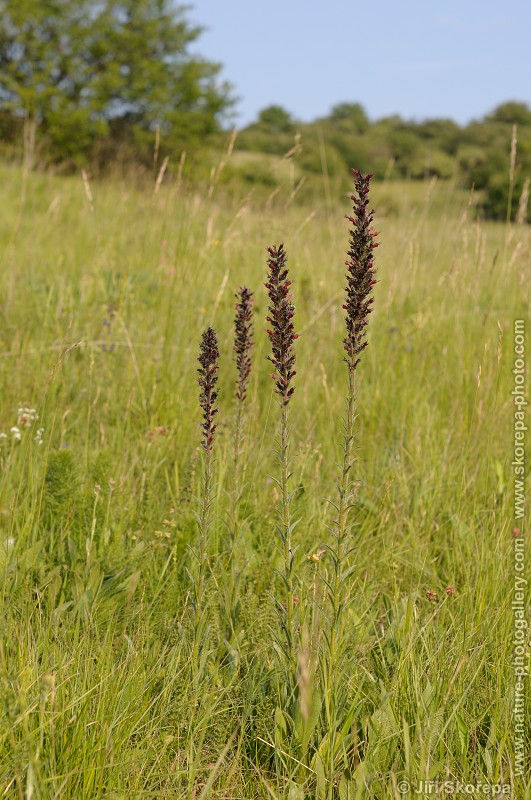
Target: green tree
column 484, row 156
column 272, row 133
column 351, row 113
column 512, row 112
column 39, row 65
column 276, row 119
column 443, row 134
column 76, row 70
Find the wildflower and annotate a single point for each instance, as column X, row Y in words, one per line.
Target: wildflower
column 160, row 430
column 38, row 436
column 431, row 596
column 208, row 359
column 15, row 432
column 516, row 532
column 360, row 271
column 315, row 557
column 295, row 601
column 358, row 302
column 243, row 344
column 282, row 333
column 450, row 591
column 243, row 339
column 26, row 416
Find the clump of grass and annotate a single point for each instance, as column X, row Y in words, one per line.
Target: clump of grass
column 282, row 336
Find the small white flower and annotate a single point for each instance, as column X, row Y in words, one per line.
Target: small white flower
column 16, row 433
column 38, row 435
column 3, row 435
column 26, row 416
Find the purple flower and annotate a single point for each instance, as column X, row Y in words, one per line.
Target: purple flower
column 208, row 358
column 243, row 339
column 360, row 271
column 281, row 333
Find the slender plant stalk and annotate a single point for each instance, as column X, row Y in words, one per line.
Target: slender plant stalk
column 209, row 364
column 512, row 165
column 282, row 335
column 343, row 508
column 358, row 305
column 243, row 344
column 204, row 519
column 286, row 525
column 235, row 489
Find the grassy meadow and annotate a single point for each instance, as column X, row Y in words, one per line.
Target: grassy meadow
column 107, row 688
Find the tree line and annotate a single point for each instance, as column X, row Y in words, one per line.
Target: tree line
column 104, row 82
column 492, row 154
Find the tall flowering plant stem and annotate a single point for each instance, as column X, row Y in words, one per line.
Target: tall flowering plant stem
column 360, row 278
column 207, row 379
column 282, row 336
column 243, row 344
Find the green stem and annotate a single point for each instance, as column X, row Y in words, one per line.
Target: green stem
column 343, row 506
column 286, row 526
column 235, row 493
column 343, row 510
column 204, row 522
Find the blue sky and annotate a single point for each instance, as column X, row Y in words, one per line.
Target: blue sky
column 426, row 59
